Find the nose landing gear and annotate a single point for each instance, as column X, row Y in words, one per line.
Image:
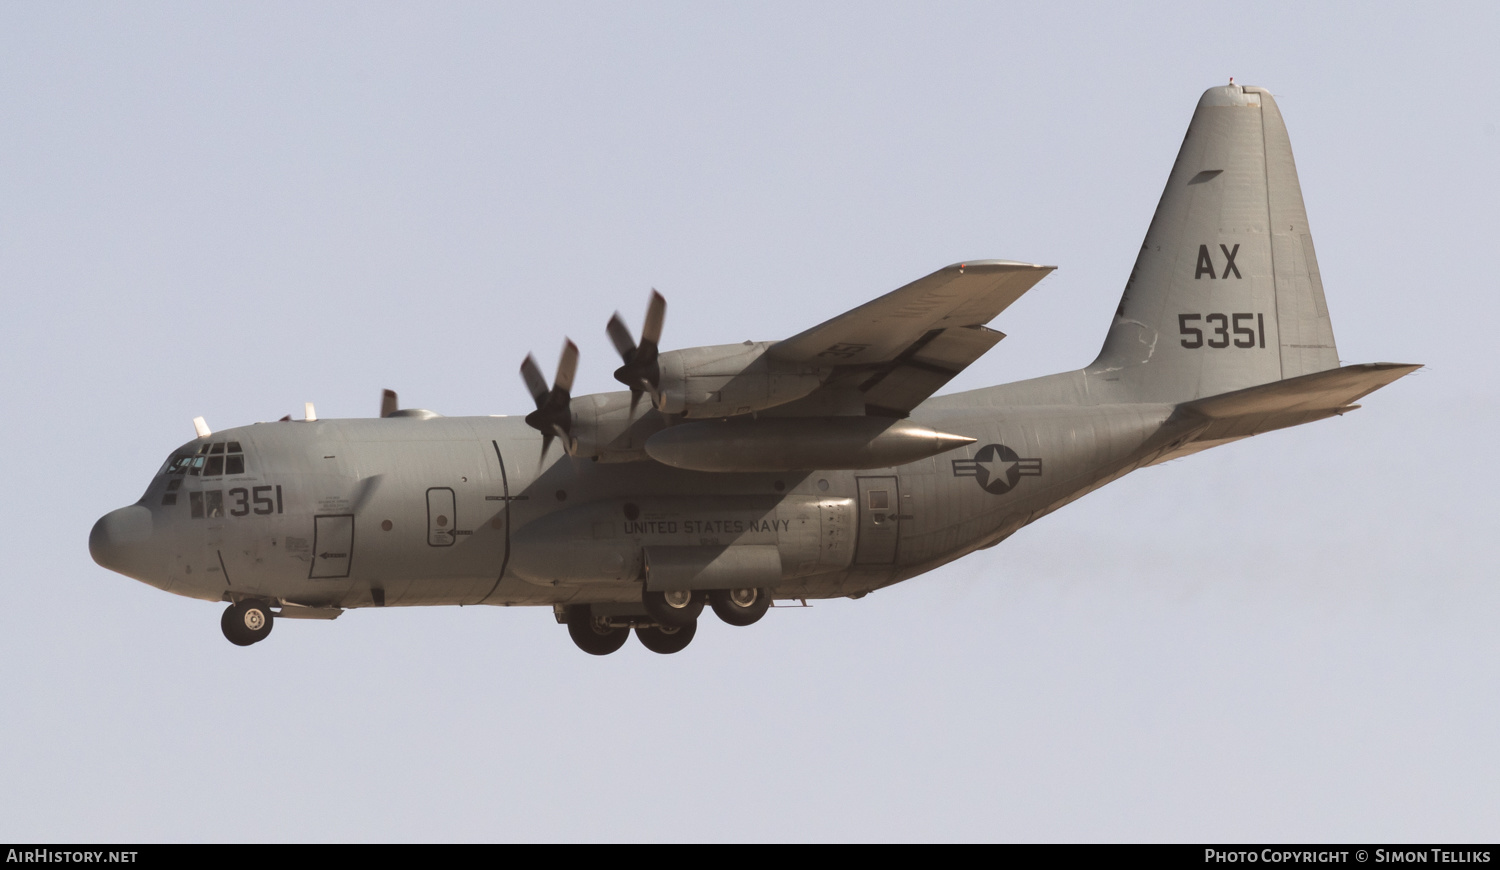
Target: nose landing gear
column 246, row 622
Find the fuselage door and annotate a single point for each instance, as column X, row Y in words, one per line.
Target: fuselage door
column 879, row 520
column 333, row 546
column 442, row 516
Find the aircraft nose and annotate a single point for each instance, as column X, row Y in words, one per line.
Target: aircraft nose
column 120, row 541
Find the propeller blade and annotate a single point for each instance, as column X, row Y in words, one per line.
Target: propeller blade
column 640, row 372
column 567, row 367
column 531, row 373
column 387, row 403
column 619, row 333
column 553, row 416
column 656, row 313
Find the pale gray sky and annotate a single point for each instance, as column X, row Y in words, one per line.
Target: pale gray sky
column 228, row 210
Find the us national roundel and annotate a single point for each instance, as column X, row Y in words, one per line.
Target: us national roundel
column 997, row 468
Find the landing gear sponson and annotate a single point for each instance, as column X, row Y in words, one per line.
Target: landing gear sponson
column 669, row 622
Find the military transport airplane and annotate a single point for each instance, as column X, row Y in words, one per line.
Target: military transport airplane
column 818, row 466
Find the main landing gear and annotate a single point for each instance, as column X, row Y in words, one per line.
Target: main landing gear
column 246, row 622
column 595, row 635
column 669, row 622
column 740, row 606
column 678, row 608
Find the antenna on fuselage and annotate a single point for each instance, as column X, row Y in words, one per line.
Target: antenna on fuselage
column 201, row 427
column 308, row 413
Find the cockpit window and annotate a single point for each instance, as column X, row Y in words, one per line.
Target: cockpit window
column 183, row 464
column 208, row 460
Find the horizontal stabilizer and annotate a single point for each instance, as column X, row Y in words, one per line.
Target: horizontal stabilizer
column 1278, row 405
column 1321, row 391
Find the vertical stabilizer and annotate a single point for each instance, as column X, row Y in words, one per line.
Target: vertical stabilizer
column 1225, row 293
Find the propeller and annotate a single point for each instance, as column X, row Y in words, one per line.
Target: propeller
column 552, row 417
column 640, row 373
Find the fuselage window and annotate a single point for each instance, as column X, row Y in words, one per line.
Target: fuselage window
column 195, row 501
column 214, row 503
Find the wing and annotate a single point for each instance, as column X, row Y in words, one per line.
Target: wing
column 902, row 347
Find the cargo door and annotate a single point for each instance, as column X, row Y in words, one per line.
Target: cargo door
column 879, row 520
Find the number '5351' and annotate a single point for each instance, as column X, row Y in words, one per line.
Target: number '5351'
column 1248, row 330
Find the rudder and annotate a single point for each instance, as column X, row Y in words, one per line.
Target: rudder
column 1225, row 293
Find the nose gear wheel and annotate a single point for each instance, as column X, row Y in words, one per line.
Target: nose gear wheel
column 247, row 622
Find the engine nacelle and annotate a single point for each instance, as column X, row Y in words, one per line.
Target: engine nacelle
column 731, row 379
column 607, row 428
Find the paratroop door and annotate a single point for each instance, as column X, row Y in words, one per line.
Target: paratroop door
column 879, row 521
column 442, row 516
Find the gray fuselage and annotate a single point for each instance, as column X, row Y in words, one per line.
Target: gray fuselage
column 413, row 511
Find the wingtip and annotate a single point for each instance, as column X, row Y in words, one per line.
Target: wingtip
column 997, row 266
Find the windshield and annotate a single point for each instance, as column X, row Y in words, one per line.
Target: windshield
column 215, row 459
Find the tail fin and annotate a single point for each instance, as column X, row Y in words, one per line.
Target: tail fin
column 1225, row 293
